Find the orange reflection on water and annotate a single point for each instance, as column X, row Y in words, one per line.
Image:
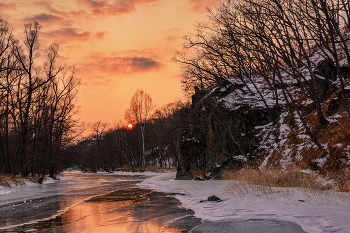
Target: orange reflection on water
column 105, row 215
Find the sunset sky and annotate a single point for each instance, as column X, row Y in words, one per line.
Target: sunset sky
column 118, row 46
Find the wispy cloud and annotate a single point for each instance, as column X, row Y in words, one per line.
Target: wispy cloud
column 109, row 7
column 65, row 35
column 117, row 65
column 101, row 35
column 44, row 18
column 202, row 5
column 70, row 16
column 173, row 35
column 172, row 38
column 143, row 64
column 8, row 6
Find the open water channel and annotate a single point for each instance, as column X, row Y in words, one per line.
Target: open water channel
column 109, row 203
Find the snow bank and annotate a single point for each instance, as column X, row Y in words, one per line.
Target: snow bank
column 49, row 180
column 314, row 211
column 121, row 173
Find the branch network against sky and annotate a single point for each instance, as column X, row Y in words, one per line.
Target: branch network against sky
column 118, row 46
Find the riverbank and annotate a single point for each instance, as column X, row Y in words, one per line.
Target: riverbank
column 314, row 211
column 108, row 201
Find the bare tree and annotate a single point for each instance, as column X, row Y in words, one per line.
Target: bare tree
column 99, row 130
column 7, row 67
column 139, row 112
column 165, row 133
column 125, row 147
column 37, row 105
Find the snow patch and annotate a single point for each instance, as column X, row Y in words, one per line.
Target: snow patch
column 322, row 161
column 240, row 157
column 314, row 211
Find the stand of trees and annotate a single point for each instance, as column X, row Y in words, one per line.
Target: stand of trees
column 36, row 105
column 279, row 41
column 154, row 140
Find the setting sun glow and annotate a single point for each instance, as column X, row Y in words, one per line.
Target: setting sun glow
column 130, row 126
column 116, row 47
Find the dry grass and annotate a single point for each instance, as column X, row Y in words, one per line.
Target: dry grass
column 335, row 141
column 274, row 178
column 154, row 168
column 341, row 178
column 8, row 180
column 292, row 185
column 198, row 172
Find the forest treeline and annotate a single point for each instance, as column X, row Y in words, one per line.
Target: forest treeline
column 36, row 105
column 151, row 140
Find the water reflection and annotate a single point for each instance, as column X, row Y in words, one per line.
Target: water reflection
column 121, row 211
column 102, row 213
column 126, row 210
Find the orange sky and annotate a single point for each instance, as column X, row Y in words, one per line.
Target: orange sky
column 118, row 46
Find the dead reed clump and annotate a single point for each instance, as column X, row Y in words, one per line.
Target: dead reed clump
column 198, row 172
column 341, row 178
column 127, row 169
column 156, row 168
column 8, row 180
column 274, row 178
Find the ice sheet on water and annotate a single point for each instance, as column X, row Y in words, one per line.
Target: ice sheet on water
column 4, row 190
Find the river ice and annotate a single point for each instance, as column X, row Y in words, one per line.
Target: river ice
column 31, row 203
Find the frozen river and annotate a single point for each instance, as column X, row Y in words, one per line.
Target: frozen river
column 112, row 203
column 88, row 203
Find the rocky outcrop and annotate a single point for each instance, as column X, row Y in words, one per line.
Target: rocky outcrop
column 326, row 69
column 342, row 103
column 216, row 139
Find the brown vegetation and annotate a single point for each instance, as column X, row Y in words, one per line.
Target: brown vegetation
column 196, row 173
column 8, row 181
column 274, row 178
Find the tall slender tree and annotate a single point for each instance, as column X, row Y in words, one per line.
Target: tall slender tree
column 139, row 112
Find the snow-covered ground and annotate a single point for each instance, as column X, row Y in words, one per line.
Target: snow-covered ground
column 314, row 211
column 48, row 180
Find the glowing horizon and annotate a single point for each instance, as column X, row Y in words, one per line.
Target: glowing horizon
column 118, row 46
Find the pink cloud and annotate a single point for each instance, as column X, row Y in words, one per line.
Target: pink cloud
column 171, row 38
column 43, row 3
column 201, row 6
column 117, row 65
column 44, row 18
column 70, row 16
column 101, row 35
column 137, row 53
column 109, row 7
column 96, row 80
column 63, row 35
column 8, row 6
